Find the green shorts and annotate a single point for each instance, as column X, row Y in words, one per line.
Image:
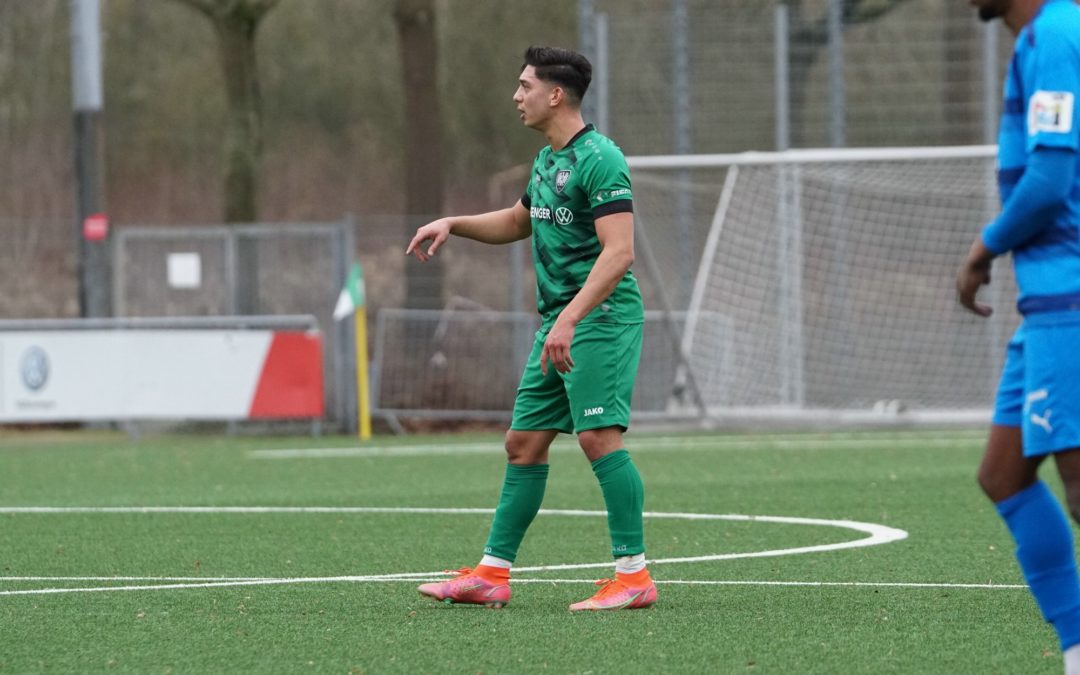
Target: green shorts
column 595, row 394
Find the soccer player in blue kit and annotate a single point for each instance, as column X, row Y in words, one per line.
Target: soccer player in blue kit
column 1037, row 410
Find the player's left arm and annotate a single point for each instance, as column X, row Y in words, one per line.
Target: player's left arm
column 1053, row 144
column 1040, row 194
column 1053, row 138
column 616, row 234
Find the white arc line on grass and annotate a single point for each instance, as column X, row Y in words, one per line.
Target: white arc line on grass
column 243, row 581
column 878, row 534
column 782, row 441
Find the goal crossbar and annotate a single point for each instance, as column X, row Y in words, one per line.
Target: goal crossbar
column 810, row 156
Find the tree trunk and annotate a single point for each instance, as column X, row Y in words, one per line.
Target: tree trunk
column 961, row 60
column 235, row 22
column 423, row 141
column 808, row 38
column 243, row 137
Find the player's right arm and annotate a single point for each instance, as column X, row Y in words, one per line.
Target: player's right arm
column 494, row 227
column 975, row 273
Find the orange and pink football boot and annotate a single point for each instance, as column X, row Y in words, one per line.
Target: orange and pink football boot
column 487, row 586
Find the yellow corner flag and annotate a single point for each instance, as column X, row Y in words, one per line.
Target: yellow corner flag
column 351, row 301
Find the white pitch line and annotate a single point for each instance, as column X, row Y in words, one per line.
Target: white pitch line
column 638, row 445
column 243, row 581
column 240, row 509
column 860, row 584
column 130, row 578
column 878, row 534
column 212, row 584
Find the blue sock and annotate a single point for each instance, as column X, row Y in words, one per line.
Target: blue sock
column 1044, row 548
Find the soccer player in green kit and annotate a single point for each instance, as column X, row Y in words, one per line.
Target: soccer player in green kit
column 578, row 209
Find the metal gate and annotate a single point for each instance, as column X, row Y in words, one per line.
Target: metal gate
column 245, row 270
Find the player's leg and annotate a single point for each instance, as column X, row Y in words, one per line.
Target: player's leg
column 1004, row 470
column 1052, row 426
column 522, row 494
column 540, row 413
column 624, row 494
column 1068, row 464
column 1044, row 542
column 599, row 389
column 1034, row 382
column 624, row 497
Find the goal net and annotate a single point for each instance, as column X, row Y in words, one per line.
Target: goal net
column 819, row 284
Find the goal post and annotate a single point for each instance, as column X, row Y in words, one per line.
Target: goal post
column 818, row 285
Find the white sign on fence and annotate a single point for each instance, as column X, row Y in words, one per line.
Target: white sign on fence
column 158, row 374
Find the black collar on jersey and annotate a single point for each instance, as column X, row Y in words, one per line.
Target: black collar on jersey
column 588, row 127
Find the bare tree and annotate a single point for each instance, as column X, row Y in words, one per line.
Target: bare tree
column 961, row 58
column 810, row 35
column 424, row 180
column 235, row 22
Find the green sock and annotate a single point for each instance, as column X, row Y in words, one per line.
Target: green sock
column 522, row 494
column 624, row 495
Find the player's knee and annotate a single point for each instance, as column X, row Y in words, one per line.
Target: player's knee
column 1074, row 511
column 992, row 485
column 1072, row 499
column 998, row 486
column 598, row 442
column 520, row 449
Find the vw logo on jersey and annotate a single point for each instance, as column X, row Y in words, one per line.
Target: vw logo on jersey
column 564, row 216
column 561, row 178
column 34, row 368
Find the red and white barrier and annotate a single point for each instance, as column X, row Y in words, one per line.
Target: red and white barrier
column 63, row 375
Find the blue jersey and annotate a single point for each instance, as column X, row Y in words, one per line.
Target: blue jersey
column 1041, row 92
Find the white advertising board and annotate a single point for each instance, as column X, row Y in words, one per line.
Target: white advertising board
column 121, row 374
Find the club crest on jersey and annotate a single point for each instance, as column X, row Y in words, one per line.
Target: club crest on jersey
column 561, row 179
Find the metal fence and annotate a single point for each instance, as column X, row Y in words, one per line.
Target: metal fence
column 702, row 76
column 244, row 270
column 672, row 76
column 466, row 364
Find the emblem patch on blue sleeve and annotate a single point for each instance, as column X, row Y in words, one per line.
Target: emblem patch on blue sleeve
column 1050, row 111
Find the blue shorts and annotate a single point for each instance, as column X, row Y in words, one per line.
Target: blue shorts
column 1040, row 383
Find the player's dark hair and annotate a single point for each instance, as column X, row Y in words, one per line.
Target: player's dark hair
column 563, row 67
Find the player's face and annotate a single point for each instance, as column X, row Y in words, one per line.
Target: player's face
column 991, row 9
column 533, row 98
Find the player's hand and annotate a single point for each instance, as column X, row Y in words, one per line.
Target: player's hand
column 974, row 274
column 436, row 232
column 557, row 346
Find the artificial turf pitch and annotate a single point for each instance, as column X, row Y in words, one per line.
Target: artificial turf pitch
column 289, row 588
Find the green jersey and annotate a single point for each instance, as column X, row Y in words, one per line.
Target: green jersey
column 568, row 190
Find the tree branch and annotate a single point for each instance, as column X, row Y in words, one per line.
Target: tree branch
column 249, row 10
column 861, row 11
column 205, row 6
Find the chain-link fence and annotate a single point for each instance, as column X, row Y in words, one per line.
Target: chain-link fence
column 672, row 77
column 463, row 363
column 700, row 76
column 276, row 269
